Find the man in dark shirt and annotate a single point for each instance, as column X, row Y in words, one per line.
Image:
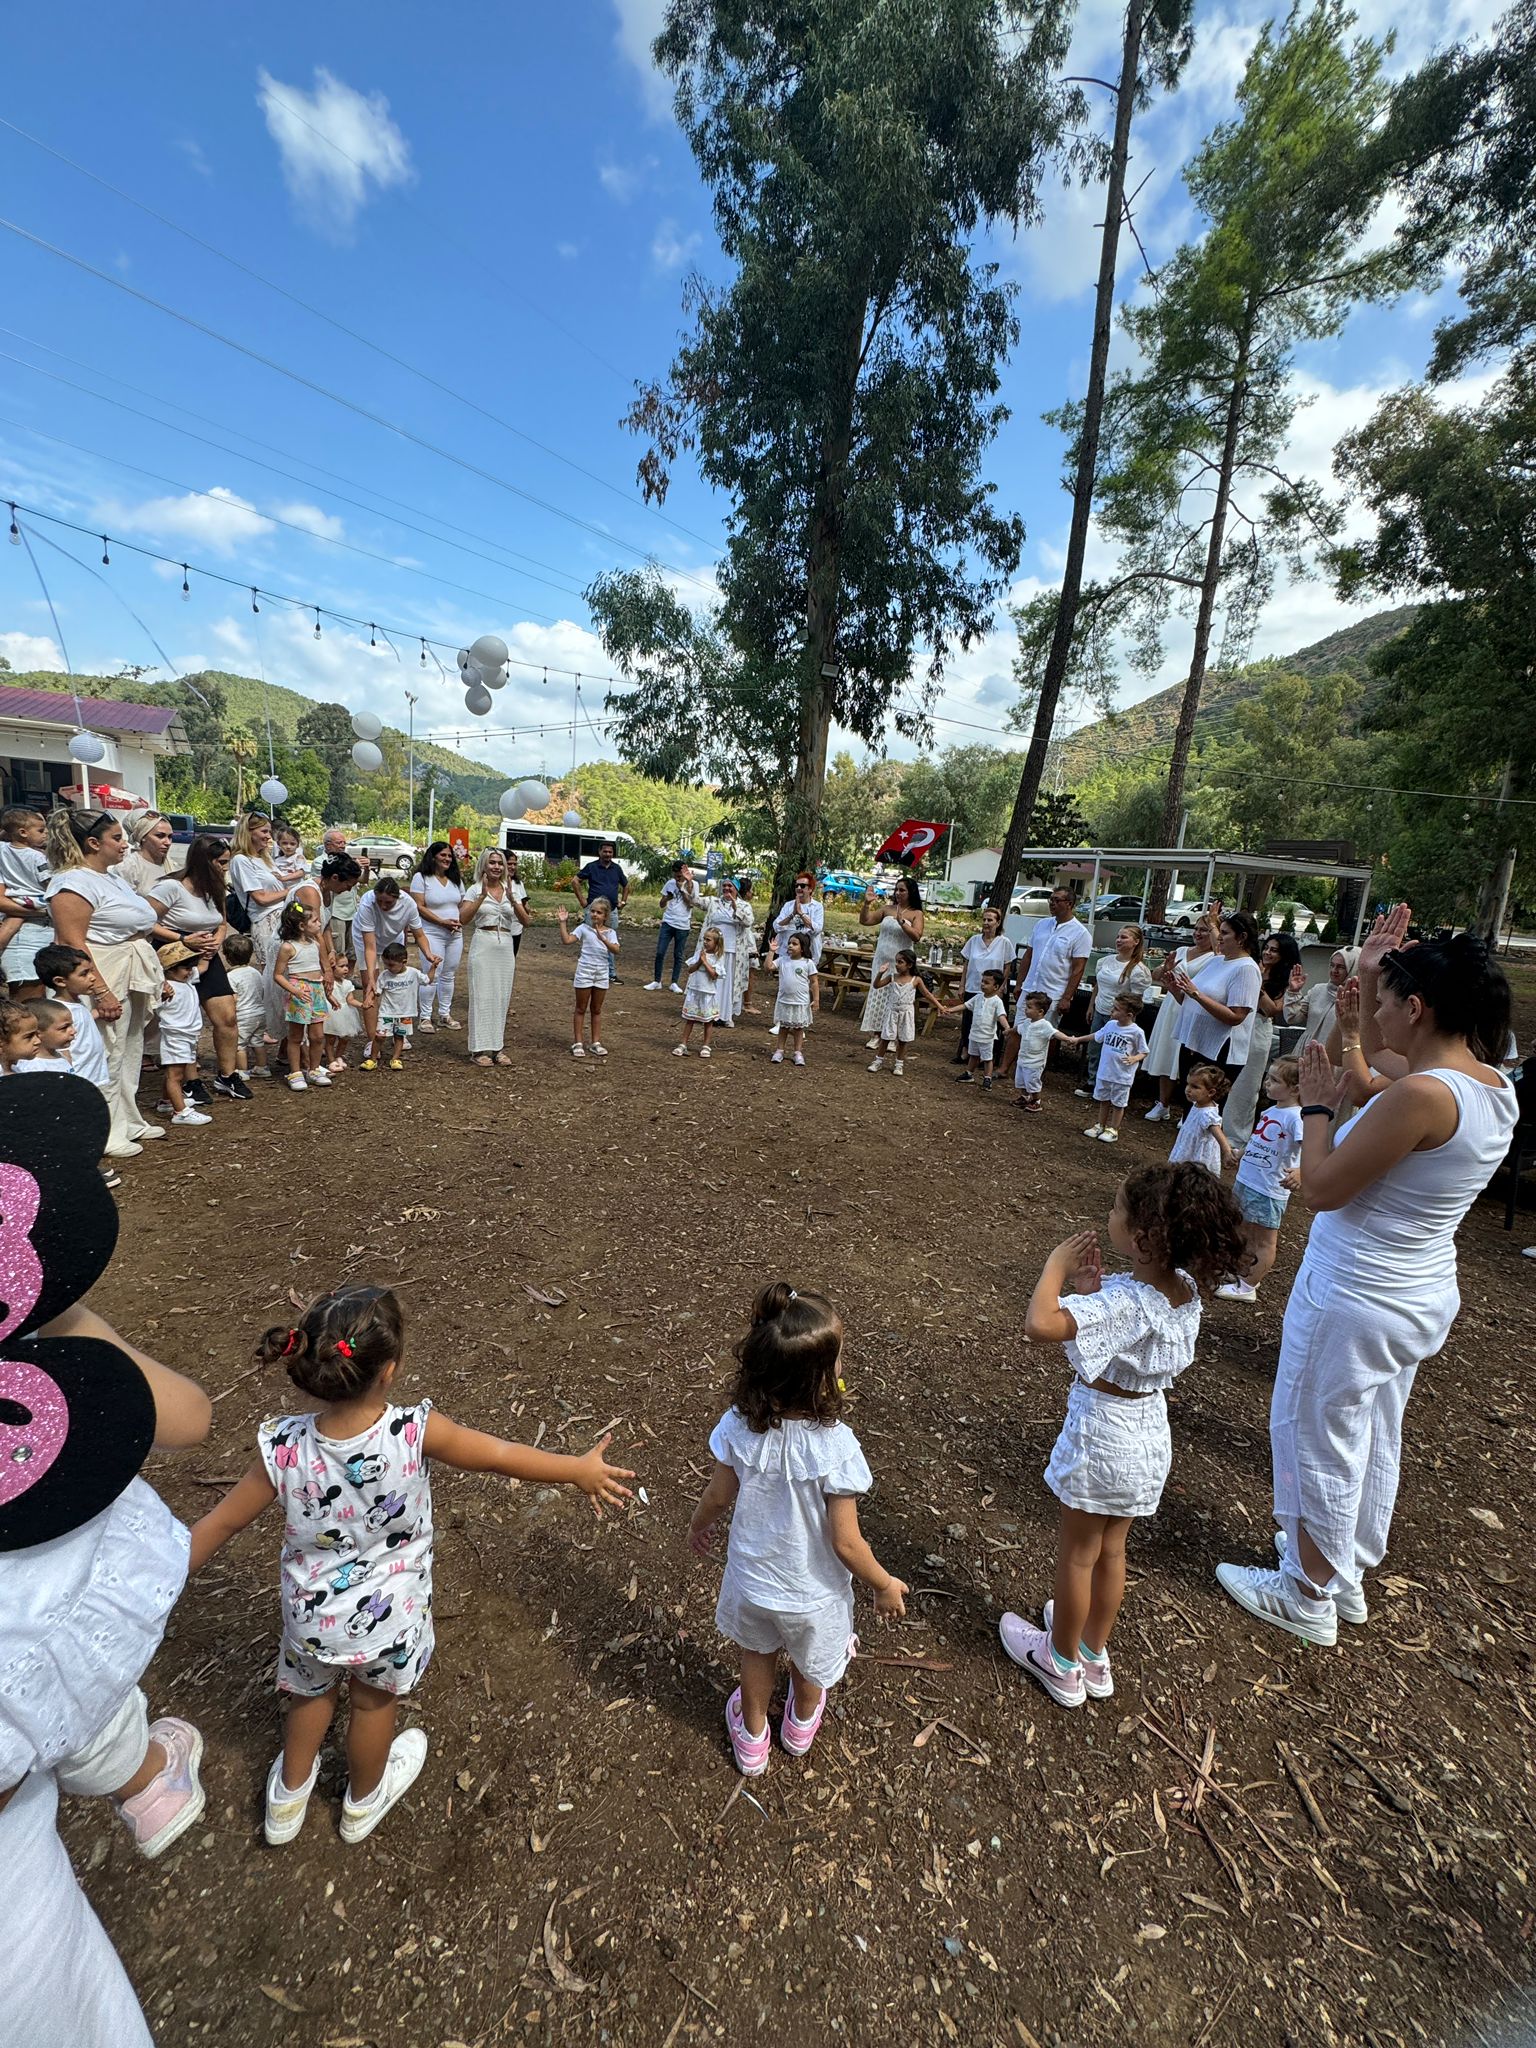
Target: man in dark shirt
column 603, row 877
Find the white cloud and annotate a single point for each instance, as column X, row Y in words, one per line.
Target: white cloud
column 28, row 651
column 338, row 148
column 324, row 525
column 218, row 519
column 671, row 250
column 623, row 181
column 567, row 251
column 639, row 25
column 192, row 150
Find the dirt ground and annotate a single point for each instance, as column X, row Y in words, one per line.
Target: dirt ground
column 1253, row 1842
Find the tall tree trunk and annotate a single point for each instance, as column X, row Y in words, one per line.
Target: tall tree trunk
column 1493, row 897
column 823, row 588
column 1018, row 834
column 1184, row 732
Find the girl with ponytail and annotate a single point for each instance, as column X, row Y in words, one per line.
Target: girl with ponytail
column 352, row 1474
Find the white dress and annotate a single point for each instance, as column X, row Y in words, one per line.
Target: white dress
column 492, row 970
column 733, row 921
column 792, row 1011
column 1162, row 1047
column 702, row 992
column 898, row 1018
column 889, row 941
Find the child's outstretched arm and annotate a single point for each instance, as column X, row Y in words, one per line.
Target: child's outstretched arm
column 474, row 1450
column 183, row 1412
column 719, row 1494
column 1076, row 1259
column 236, row 1511
column 852, row 1548
column 567, row 936
column 1224, row 1144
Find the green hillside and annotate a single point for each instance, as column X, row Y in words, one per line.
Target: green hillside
column 1145, row 727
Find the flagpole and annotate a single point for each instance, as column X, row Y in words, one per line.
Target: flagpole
column 949, row 851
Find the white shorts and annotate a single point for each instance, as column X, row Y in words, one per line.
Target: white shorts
column 1031, row 1080
column 1117, row 1095
column 19, row 962
column 818, row 1643
column 589, row 977
column 113, row 1753
column 177, row 1049
column 1113, row 1454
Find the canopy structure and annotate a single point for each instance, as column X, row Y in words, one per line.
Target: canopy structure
column 1182, row 858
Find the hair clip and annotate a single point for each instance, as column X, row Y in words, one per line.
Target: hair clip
column 343, row 1347
column 793, row 1295
column 292, row 1343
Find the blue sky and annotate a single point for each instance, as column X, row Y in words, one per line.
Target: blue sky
column 499, row 198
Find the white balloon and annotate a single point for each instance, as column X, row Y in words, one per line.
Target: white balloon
column 274, row 792
column 535, row 795
column 366, row 725
column 572, row 818
column 85, row 746
column 463, row 657
column 510, row 802
column 477, row 700
column 367, row 756
column 490, row 652
column 494, row 679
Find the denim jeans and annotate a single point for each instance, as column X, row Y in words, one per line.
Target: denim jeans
column 676, row 937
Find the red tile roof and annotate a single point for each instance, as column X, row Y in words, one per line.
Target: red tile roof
column 102, row 714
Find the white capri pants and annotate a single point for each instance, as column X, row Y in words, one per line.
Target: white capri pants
column 1347, row 1366
column 124, row 1044
column 436, row 995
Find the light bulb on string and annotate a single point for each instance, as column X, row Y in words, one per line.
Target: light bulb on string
column 423, row 653
column 15, row 530
column 106, row 559
column 186, row 587
column 255, row 607
column 317, row 622
column 372, row 640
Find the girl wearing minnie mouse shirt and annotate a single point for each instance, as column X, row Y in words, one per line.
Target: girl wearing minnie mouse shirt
column 356, row 1563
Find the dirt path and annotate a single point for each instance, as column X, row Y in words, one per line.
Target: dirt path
column 957, row 1861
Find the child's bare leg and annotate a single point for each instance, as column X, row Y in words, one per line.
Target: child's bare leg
column 154, row 1763
column 759, row 1675
column 294, row 1048
column 370, row 1731
column 986, row 1069
column 9, row 927
column 1079, row 1540
column 173, row 1095
column 1108, row 1583
column 577, row 1032
column 598, row 996
column 807, row 1696
column 316, row 1046
column 1112, row 1119
column 303, row 1732
column 1165, row 1088
column 1263, row 1244
column 707, row 1030
column 687, row 1030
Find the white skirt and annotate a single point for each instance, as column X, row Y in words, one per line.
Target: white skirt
column 1113, row 1454
column 792, row 1016
column 701, row 1006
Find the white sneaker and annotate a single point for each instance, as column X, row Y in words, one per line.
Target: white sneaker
column 599, row 1052
column 1349, row 1605
column 651, row 986
column 799, row 1059
column 1109, row 1137
column 1098, row 1680
column 319, row 1078
column 578, row 1051
column 148, row 1132
column 706, row 1052
column 1085, row 1093
column 679, row 1052
column 285, row 1809
column 774, row 1030
column 1237, row 1290
column 298, row 1083
column 776, row 1059
column 1529, row 1252
column 407, row 1754
column 1094, row 1131
column 1156, row 1114
column 1272, row 1597
column 165, row 1106
column 876, row 1065
column 190, row 1116
column 897, row 1067
column 426, row 1024
column 871, row 1045
column 676, row 987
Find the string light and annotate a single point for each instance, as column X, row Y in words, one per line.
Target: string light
column 255, row 607
column 186, row 587
column 106, row 559
column 15, row 530
column 372, row 634
column 317, row 622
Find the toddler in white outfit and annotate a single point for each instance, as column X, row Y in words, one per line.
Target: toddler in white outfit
column 1035, row 1032
column 792, row 1473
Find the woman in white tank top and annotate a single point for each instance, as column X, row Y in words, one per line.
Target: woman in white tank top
column 1376, row 1294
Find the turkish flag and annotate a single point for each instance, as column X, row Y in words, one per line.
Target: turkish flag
column 910, row 841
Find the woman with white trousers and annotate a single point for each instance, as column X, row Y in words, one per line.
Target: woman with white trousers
column 438, row 889
column 1376, row 1294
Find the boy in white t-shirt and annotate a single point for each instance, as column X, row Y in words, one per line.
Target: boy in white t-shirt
column 250, row 1004
column 69, row 976
column 1267, row 1172
column 399, row 1000
column 988, row 1012
column 1122, row 1047
column 55, row 1037
column 180, row 1017
column 1035, row 1032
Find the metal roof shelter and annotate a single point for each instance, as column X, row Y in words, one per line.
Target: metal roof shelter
column 1179, row 858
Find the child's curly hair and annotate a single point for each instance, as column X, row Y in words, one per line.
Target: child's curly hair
column 290, row 925
column 341, row 1343
column 14, row 1017
column 1185, row 1217
column 787, row 1361
column 1215, row 1080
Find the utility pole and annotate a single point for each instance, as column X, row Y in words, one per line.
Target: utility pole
column 410, row 767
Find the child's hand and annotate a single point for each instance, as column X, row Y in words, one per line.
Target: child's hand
column 1291, row 1178
column 701, row 1536
column 1087, row 1276
column 561, row 916
column 599, row 1480
column 1078, row 1254
column 891, row 1600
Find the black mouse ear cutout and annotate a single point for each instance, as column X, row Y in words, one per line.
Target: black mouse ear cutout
column 58, row 1221
column 77, row 1420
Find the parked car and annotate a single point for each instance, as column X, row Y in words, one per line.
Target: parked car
column 1116, row 906
column 1284, row 913
column 385, row 852
column 184, row 829
column 1029, row 901
column 843, row 882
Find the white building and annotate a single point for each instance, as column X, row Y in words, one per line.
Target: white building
column 35, row 731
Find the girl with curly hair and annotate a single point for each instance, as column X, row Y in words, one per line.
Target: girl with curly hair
column 1127, row 1336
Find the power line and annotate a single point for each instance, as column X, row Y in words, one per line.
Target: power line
column 38, row 370
column 340, row 326
column 338, row 398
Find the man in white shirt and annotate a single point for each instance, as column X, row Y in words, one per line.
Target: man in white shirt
column 1053, row 961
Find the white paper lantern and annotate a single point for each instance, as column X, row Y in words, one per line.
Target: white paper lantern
column 368, row 757
column 490, row 653
column 572, row 818
column 535, row 795
column 477, row 700
column 85, row 746
column 366, row 725
column 274, row 792
column 510, row 803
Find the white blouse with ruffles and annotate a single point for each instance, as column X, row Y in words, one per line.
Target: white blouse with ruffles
column 781, row 1556
column 1131, row 1334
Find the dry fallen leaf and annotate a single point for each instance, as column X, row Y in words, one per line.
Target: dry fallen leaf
column 551, row 1298
column 283, row 1998
column 1486, row 1516
column 565, row 1977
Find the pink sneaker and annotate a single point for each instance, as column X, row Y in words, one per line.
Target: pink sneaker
column 1098, row 1682
column 751, row 1750
column 1030, row 1649
column 795, row 1734
column 173, row 1800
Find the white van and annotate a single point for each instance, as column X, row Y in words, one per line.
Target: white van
column 566, row 842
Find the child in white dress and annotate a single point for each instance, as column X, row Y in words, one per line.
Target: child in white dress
column 799, row 996
column 898, row 1013
column 707, row 987
column 343, row 1016
column 1128, row 1336
column 1035, row 1032
column 1201, row 1140
column 599, row 945
column 356, row 1563
column 791, row 1473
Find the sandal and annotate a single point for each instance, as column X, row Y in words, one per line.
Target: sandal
column 501, row 1060
column 481, row 1059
